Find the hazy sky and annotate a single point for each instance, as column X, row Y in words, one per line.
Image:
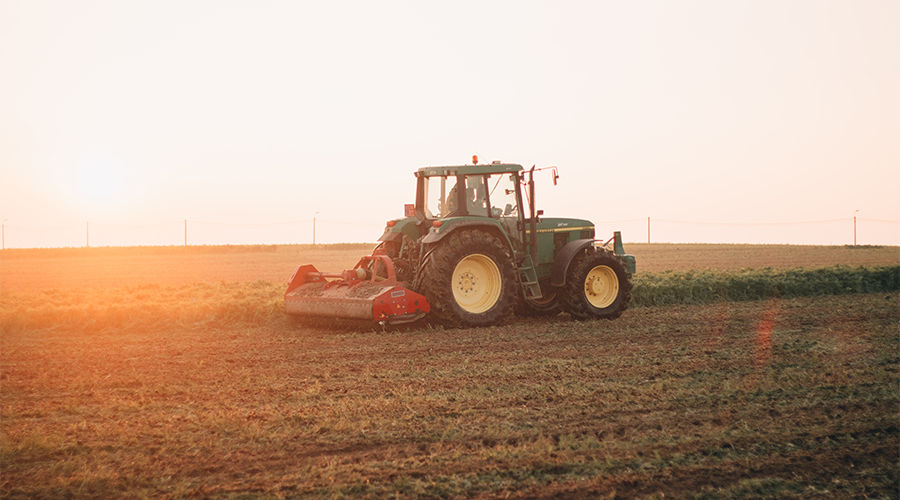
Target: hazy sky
column 722, row 121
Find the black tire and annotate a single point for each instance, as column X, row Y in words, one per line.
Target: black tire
column 598, row 286
column 548, row 305
column 459, row 279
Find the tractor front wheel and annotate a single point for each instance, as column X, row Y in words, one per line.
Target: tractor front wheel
column 469, row 280
column 598, row 285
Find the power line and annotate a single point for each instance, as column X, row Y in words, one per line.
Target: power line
column 44, row 228
column 138, row 227
column 620, row 221
column 304, row 221
column 186, row 222
column 352, row 223
column 754, row 223
column 269, row 224
column 881, row 220
column 291, row 223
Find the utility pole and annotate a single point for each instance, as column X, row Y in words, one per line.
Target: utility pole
column 648, row 229
column 854, row 227
column 314, row 227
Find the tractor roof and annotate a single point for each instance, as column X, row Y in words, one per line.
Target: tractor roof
column 491, row 168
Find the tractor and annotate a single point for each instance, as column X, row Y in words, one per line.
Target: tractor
column 472, row 251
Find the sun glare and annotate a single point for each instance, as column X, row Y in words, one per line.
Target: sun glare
column 100, row 179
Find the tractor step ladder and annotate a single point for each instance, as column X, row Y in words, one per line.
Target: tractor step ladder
column 528, row 276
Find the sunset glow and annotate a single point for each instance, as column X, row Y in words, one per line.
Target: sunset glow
column 100, row 181
column 732, row 122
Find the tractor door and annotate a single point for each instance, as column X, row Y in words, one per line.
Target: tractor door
column 505, row 200
column 476, row 196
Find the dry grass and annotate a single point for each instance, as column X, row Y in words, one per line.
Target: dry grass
column 656, row 257
column 162, row 287
column 65, row 268
column 200, row 305
column 81, row 268
column 261, row 303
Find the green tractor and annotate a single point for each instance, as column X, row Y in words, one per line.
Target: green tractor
column 470, row 252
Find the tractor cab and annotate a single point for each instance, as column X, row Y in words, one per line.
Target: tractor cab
column 489, row 196
column 468, row 191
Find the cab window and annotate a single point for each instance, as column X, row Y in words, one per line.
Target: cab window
column 476, row 195
column 503, row 195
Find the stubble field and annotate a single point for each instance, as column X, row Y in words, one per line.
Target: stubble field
column 776, row 398
column 114, row 267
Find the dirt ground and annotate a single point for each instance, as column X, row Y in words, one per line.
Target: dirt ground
column 773, row 399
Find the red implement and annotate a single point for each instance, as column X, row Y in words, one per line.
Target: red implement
column 358, row 293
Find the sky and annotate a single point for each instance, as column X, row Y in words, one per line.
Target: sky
column 689, row 121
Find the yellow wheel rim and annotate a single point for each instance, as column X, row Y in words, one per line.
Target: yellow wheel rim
column 601, row 286
column 476, row 283
column 548, row 298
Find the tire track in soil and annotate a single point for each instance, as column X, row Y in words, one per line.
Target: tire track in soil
column 853, row 465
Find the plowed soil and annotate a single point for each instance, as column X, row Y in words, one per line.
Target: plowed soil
column 776, row 399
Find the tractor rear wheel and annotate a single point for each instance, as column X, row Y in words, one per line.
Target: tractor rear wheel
column 469, row 280
column 598, row 285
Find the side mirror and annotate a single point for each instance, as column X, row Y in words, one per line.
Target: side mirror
column 540, row 213
column 555, row 176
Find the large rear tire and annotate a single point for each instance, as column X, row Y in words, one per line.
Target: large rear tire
column 598, row 286
column 469, row 280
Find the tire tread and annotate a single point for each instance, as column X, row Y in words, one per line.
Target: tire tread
column 573, row 299
column 433, row 279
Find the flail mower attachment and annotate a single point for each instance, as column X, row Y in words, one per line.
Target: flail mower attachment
column 358, row 293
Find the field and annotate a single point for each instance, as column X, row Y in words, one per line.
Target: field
column 64, row 268
column 776, row 398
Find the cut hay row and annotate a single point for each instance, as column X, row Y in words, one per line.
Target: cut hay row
column 708, row 286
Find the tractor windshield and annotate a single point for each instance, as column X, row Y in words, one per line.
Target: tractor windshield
column 440, row 196
column 487, row 195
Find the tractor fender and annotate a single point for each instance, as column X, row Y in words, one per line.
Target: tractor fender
column 396, row 229
column 491, row 225
column 395, row 237
column 564, row 258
